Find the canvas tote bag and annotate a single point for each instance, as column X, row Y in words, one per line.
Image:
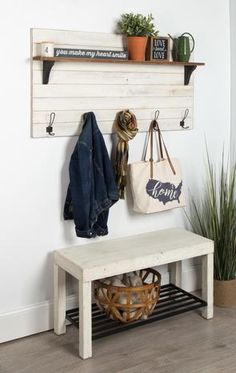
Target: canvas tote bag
column 156, row 185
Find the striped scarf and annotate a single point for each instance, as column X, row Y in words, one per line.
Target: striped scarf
column 126, row 127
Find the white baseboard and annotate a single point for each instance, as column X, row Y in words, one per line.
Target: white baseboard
column 29, row 320
column 39, row 317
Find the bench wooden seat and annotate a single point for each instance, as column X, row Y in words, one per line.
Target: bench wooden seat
column 111, row 257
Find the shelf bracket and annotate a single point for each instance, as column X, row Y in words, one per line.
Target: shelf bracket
column 47, row 66
column 188, row 70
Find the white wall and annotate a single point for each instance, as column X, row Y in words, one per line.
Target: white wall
column 35, row 171
column 233, row 77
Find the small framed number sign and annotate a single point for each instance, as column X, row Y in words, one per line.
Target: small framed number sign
column 158, row 48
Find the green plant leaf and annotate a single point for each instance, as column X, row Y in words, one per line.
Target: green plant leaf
column 131, row 24
column 214, row 216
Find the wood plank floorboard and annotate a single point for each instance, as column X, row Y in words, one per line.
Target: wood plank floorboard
column 183, row 344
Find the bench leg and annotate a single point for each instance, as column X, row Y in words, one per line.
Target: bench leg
column 85, row 320
column 207, row 285
column 59, row 300
column 176, row 273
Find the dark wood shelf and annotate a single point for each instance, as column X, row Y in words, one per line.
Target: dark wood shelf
column 48, row 63
column 103, row 60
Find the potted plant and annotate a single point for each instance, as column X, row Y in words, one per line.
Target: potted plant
column 137, row 28
column 214, row 217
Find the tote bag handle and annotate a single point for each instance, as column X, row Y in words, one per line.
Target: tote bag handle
column 154, row 126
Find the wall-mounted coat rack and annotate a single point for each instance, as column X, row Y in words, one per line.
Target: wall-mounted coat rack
column 70, row 86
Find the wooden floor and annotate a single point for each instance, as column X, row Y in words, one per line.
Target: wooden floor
column 184, row 344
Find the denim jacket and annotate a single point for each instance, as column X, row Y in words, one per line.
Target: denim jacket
column 92, row 189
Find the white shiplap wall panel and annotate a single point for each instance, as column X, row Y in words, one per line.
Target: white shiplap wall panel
column 123, row 67
column 79, row 38
column 105, row 103
column 77, row 87
column 109, row 77
column 101, row 90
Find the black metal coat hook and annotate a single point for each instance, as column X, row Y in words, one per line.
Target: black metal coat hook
column 182, row 122
column 49, row 128
column 155, row 122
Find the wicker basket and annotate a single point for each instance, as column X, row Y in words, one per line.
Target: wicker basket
column 128, row 304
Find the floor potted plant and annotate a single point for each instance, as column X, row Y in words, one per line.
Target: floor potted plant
column 137, row 28
column 214, row 217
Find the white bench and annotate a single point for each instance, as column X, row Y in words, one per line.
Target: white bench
column 111, row 257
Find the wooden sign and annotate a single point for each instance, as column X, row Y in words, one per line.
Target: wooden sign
column 90, row 53
column 158, row 49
